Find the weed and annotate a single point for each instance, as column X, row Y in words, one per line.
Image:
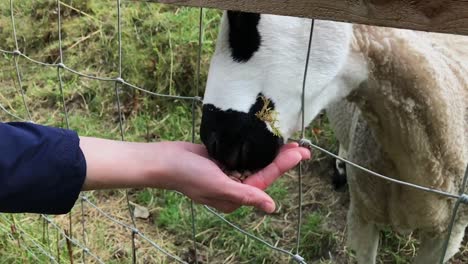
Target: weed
column 269, row 116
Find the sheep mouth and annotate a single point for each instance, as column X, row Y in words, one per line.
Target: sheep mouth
column 240, row 141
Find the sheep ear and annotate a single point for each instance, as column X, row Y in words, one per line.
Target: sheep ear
column 244, row 38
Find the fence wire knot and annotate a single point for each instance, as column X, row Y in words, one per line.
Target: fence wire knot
column 305, row 143
column 463, row 198
column 17, row 53
column 60, row 65
column 298, row 258
column 119, row 80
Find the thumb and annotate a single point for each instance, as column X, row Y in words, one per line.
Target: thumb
column 251, row 196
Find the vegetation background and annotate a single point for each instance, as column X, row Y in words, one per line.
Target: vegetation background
column 159, row 49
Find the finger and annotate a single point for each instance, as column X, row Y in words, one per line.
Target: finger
column 202, row 151
column 305, row 152
column 250, row 196
column 285, row 161
column 289, row 146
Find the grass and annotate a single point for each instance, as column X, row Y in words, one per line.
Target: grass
column 317, row 239
column 159, row 48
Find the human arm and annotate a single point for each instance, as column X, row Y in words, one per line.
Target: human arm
column 184, row 167
column 43, row 169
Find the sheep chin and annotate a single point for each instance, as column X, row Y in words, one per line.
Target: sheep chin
column 237, row 176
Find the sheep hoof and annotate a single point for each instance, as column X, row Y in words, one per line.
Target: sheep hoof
column 339, row 179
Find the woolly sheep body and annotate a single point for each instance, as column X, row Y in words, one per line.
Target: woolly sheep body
column 409, row 121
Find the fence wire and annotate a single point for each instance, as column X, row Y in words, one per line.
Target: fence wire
column 15, row 232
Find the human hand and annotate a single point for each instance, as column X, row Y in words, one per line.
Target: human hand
column 188, row 169
column 183, row 167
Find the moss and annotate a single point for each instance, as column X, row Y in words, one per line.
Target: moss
column 269, row 116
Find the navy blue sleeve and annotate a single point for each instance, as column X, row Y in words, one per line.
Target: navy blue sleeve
column 42, row 169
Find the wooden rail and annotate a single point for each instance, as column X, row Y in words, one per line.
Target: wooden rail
column 445, row 16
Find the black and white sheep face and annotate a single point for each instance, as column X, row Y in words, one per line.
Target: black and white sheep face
column 252, row 102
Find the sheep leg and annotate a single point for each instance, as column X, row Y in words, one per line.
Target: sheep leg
column 431, row 247
column 339, row 176
column 363, row 238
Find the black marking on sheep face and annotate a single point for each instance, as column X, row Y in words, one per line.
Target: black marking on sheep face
column 239, row 141
column 244, row 38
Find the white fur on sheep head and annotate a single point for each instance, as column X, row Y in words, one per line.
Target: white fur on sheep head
column 252, row 102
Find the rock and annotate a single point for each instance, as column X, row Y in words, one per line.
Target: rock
column 141, row 212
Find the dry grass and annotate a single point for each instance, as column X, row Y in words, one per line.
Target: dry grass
column 109, row 240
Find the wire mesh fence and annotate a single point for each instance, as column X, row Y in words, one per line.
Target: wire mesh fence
column 57, row 242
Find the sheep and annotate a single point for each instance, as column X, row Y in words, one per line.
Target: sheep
column 408, row 120
column 397, row 101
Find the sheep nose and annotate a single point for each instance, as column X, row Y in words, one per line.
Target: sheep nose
column 212, row 144
column 238, row 141
column 230, row 154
